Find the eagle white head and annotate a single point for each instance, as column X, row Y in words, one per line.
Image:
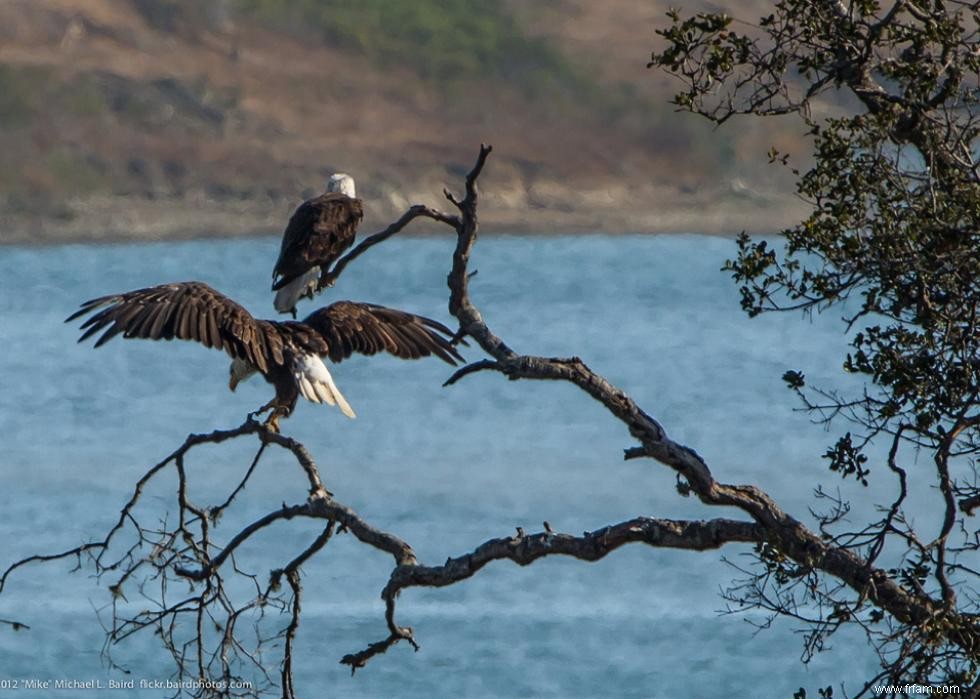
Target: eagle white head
column 343, row 183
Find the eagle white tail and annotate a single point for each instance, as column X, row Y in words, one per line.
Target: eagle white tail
column 316, row 384
column 287, row 296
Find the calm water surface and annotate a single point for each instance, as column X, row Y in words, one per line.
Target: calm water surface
column 443, row 468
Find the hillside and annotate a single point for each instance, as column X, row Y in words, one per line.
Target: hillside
column 154, row 118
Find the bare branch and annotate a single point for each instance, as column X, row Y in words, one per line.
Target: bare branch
column 482, row 365
column 291, row 571
column 781, row 530
column 590, row 546
column 970, row 504
column 525, row 549
column 328, row 278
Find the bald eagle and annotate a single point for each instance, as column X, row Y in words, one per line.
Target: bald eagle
column 288, row 354
column 318, row 232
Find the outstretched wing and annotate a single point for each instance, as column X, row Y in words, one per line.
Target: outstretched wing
column 317, row 234
column 365, row 328
column 186, row 311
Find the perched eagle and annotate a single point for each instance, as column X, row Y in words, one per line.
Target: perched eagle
column 288, row 354
column 317, row 234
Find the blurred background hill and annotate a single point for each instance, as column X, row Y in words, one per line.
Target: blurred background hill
column 154, row 118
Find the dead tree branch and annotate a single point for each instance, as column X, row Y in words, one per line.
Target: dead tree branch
column 327, row 278
column 778, row 528
column 524, row 549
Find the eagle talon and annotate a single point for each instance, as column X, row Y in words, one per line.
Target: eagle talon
column 265, row 408
column 277, row 411
column 272, row 423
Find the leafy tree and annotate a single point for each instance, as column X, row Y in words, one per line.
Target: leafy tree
column 888, row 94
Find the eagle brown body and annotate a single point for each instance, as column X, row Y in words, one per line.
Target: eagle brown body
column 318, row 233
column 288, row 354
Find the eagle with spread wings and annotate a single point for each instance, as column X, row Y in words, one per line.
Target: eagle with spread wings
column 288, row 354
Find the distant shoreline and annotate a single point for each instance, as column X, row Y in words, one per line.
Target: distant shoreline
column 186, row 236
column 109, row 220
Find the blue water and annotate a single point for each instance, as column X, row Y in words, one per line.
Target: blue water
column 444, row 468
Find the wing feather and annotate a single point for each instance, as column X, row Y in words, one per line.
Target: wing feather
column 214, row 334
column 294, row 240
column 106, row 336
column 186, row 311
column 365, row 328
column 144, row 322
column 160, row 318
column 184, row 322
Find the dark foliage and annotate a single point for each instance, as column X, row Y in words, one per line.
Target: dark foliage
column 888, row 94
